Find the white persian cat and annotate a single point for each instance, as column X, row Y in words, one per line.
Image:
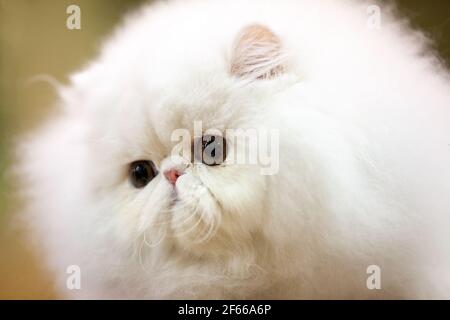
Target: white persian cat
column 362, row 114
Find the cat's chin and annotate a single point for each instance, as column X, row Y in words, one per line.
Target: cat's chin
column 193, row 220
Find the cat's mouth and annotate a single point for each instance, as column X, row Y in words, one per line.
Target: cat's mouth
column 174, row 199
column 195, row 213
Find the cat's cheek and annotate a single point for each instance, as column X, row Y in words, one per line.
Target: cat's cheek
column 242, row 193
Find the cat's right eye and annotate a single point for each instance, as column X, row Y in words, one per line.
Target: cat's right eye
column 142, row 172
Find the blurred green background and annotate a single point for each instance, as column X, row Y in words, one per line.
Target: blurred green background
column 34, row 41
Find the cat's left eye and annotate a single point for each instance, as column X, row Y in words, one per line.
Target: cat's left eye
column 210, row 149
column 142, row 172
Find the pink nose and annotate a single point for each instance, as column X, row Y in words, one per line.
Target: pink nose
column 172, row 175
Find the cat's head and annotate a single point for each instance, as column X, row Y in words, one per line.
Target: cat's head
column 169, row 144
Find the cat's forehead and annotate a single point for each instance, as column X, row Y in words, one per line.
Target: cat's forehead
column 137, row 119
column 215, row 101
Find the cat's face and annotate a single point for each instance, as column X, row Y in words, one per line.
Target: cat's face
column 148, row 191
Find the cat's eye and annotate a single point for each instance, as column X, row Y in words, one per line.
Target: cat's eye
column 210, row 149
column 142, row 172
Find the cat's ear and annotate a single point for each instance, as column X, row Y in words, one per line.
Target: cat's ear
column 257, row 53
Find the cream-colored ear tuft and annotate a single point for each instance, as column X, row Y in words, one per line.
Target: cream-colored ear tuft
column 257, row 53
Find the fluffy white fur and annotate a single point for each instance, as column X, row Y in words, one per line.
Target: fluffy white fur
column 364, row 120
